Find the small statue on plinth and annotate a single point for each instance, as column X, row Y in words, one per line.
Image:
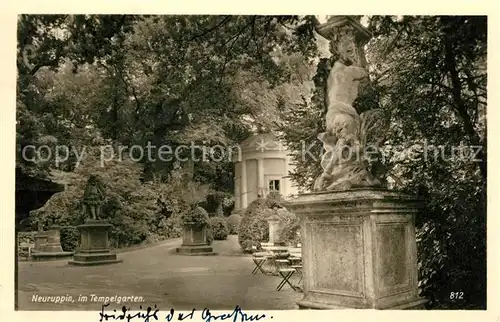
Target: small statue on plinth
column 348, row 134
column 93, row 197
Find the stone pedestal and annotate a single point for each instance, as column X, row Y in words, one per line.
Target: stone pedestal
column 40, row 241
column 194, row 241
column 94, row 244
column 51, row 249
column 53, row 240
column 358, row 250
column 273, row 222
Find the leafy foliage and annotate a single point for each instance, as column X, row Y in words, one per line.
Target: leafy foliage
column 210, row 234
column 254, row 228
column 233, row 223
column 70, row 238
column 274, row 200
column 164, row 80
column 218, row 203
column 139, row 212
column 219, row 228
column 429, row 74
column 300, row 128
column 88, row 80
column 438, row 98
column 24, row 238
column 27, row 237
column 196, row 217
column 289, row 227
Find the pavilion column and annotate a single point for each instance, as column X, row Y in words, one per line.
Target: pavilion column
column 243, row 184
column 285, row 181
column 261, row 187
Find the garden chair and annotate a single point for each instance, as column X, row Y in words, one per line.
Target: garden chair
column 25, row 250
column 269, row 254
column 296, row 264
column 259, row 258
column 286, row 272
column 295, row 260
column 275, row 253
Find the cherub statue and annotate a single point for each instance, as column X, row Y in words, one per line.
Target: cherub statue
column 347, row 132
column 93, row 197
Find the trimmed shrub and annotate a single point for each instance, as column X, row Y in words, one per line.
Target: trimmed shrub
column 274, row 200
column 210, row 234
column 197, row 217
column 170, row 227
column 289, row 231
column 254, row 228
column 26, row 237
column 219, row 228
column 233, row 223
column 70, row 238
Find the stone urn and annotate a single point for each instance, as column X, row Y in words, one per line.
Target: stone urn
column 194, row 235
column 194, row 241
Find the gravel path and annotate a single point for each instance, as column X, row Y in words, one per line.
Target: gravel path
column 160, row 277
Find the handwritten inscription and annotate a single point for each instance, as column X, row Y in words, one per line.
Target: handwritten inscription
column 236, row 315
column 124, row 316
column 150, row 314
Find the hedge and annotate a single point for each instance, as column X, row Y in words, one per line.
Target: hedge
column 219, row 228
column 233, row 223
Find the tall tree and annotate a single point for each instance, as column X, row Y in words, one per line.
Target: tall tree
column 161, row 79
column 429, row 74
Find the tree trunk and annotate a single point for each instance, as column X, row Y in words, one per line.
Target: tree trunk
column 460, row 106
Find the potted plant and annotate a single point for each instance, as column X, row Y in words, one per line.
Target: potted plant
column 195, row 221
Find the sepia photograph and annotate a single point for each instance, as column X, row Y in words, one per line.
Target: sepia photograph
column 248, row 163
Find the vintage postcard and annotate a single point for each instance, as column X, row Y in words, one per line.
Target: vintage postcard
column 249, row 167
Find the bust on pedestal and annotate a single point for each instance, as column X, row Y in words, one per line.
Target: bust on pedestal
column 94, row 241
column 358, row 238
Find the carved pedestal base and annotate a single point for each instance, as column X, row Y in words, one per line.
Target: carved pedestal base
column 94, row 245
column 194, row 242
column 40, row 241
column 358, row 250
column 196, row 250
column 49, row 245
